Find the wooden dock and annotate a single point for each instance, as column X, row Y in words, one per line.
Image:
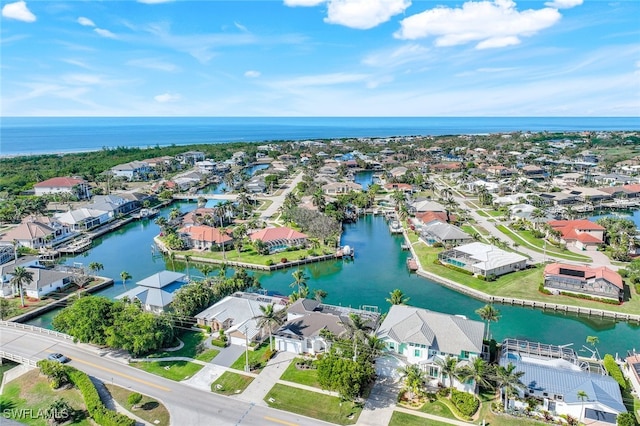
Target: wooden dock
column 412, row 264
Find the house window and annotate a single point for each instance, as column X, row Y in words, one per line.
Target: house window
column 416, row 352
column 465, row 355
column 433, row 371
column 545, row 394
column 559, row 397
column 391, row 345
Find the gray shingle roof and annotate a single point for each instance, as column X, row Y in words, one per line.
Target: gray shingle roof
column 446, row 333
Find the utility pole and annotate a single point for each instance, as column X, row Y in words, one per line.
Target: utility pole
column 246, row 339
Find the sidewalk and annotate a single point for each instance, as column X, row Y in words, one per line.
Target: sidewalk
column 258, row 389
column 111, row 403
column 381, row 403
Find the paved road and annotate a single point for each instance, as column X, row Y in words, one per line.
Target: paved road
column 187, row 405
column 278, row 200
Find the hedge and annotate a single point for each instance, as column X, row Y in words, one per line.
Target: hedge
column 98, row 412
column 455, row 268
column 219, row 343
column 466, row 403
column 614, row 370
column 587, row 297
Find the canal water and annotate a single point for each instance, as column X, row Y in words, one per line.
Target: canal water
column 378, row 268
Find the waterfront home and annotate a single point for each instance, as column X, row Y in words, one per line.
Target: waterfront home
column 587, row 194
column 190, row 157
column 204, row 237
column 38, row 232
column 425, row 338
column 206, row 166
column 533, row 172
column 403, row 187
column 236, row 315
column 155, row 292
column 7, row 252
column 308, row 320
column 200, row 215
column 83, row 219
column 632, row 370
column 256, row 184
column 278, row 239
column 439, row 231
column 483, row 259
column 582, row 234
column 398, row 172
column 554, row 376
column 478, row 185
column 45, row 280
column 592, row 281
column 421, row 206
column 134, row 170
column 77, row 187
column 422, row 219
column 114, row 204
column 559, row 198
column 336, row 188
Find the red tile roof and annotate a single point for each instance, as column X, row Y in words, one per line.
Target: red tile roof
column 273, row 234
column 589, row 272
column 403, row 186
column 427, row 217
column 581, row 224
column 59, row 182
column 206, row 233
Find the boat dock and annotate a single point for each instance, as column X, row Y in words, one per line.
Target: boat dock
column 395, row 227
column 412, row 264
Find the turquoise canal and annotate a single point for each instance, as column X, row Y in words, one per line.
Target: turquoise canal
column 378, row 268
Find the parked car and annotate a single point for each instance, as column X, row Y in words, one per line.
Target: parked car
column 57, row 357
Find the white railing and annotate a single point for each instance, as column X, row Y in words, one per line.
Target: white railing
column 18, row 358
column 35, row 329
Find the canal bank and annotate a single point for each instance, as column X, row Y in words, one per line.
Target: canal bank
column 378, row 268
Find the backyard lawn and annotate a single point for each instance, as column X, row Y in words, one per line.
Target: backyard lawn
column 249, row 255
column 174, row 370
column 255, row 358
column 231, row 383
column 313, row 404
column 307, row 377
column 149, row 409
column 191, row 340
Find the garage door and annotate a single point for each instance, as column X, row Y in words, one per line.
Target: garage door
column 387, row 366
column 601, row 416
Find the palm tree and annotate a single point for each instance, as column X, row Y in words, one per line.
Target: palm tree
column 413, row 378
column 398, row 198
column 319, row 294
column 125, row 276
column 318, row 200
column 21, row 277
column 397, row 297
column 479, row 371
column 582, row 395
column 374, row 346
column 269, row 319
column 300, row 280
column 187, row 259
column 449, row 368
column 593, row 341
column 206, row 269
column 95, row 267
column 489, row 314
column 508, row 380
column 172, row 257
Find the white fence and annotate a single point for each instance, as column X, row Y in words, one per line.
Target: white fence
column 35, row 329
column 17, row 358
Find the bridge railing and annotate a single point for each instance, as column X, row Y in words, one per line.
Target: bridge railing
column 17, row 358
column 35, row 329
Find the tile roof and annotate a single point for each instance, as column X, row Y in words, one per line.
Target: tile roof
column 28, row 231
column 206, row 233
column 273, row 234
column 600, row 272
column 59, row 182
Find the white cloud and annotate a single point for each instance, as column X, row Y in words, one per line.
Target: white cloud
column 563, row 4
column 240, row 27
column 319, row 80
column 294, row 3
column 18, row 11
column 252, row 74
column 153, row 64
column 105, row 33
column 167, row 97
column 490, row 23
column 397, row 57
column 86, row 22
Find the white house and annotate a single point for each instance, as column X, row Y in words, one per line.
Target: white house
column 45, row 280
column 83, row 219
column 424, row 338
column 71, row 185
column 38, row 232
column 155, row 293
column 133, row 170
column 483, row 259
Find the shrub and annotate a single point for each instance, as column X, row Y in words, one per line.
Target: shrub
column 312, row 253
column 614, row 370
column 206, row 328
column 219, row 343
column 134, row 399
column 283, row 260
column 269, row 262
column 465, row 402
column 437, row 244
column 455, row 268
column 268, row 354
column 637, row 288
column 543, row 290
column 57, row 373
column 627, row 419
column 623, row 273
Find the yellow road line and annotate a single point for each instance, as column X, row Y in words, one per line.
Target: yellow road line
column 282, row 422
column 117, row 373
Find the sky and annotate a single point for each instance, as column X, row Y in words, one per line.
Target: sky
column 320, row 58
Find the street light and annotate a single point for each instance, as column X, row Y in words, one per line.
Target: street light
column 246, row 339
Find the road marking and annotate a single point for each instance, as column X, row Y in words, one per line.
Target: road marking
column 282, row 422
column 117, row 373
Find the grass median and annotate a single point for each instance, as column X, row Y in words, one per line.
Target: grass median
column 173, row 370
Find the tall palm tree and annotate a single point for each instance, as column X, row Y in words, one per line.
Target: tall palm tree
column 95, row 267
column 299, row 280
column 124, row 275
column 449, row 368
column 508, row 380
column 412, row 377
column 172, row 257
column 319, row 294
column 21, row 277
column 187, row 259
column 206, row 269
column 582, row 395
column 269, row 319
column 397, row 297
column 489, row 314
column 479, row 371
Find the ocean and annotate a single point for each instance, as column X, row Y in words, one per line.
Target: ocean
column 46, row 135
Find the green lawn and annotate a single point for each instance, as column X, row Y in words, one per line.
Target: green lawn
column 304, row 377
column 495, row 213
column 313, row 404
column 149, row 409
column 482, row 213
column 404, row 419
column 264, row 205
column 33, row 392
column 521, row 284
column 231, row 383
column 207, row 355
column 174, row 370
column 438, row 408
column 537, row 244
column 191, row 339
column 6, row 365
column 249, row 255
column 256, row 356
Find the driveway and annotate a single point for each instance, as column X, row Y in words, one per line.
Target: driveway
column 228, row 355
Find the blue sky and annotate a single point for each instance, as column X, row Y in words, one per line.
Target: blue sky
column 320, row 58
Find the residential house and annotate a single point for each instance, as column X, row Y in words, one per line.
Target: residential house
column 190, row 157
column 632, row 370
column 498, row 171
column 77, row 187
column 597, row 281
column 278, row 239
column 155, row 292
column 203, row 237
column 336, row 188
column 422, row 206
column 134, row 170
column 588, row 194
column 38, row 232
column 403, row 187
column 308, row 320
column 532, row 171
column 582, row 234
column 83, row 219
column 236, row 315
column 438, row 231
column 424, row 338
column 554, row 376
column 398, row 172
column 45, row 280
column 206, row 166
column 483, row 259
column 114, row 204
column 256, row 184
